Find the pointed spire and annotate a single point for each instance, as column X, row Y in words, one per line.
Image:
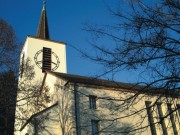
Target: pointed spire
column 43, row 31
column 44, row 5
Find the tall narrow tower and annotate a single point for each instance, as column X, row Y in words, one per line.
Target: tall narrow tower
column 43, row 30
column 44, row 53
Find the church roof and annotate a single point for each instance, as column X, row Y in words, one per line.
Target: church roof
column 43, row 31
column 94, row 81
column 101, row 83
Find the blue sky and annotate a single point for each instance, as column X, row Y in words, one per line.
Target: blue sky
column 66, row 19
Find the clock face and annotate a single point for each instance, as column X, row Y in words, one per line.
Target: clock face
column 38, row 58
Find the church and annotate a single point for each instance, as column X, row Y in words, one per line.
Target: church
column 67, row 104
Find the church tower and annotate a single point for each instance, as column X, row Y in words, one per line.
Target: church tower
column 45, row 54
column 43, row 30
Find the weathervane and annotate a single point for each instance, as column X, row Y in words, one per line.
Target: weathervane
column 44, row 4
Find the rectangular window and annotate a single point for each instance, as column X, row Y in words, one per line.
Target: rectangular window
column 92, row 102
column 95, row 127
column 161, row 118
column 46, row 65
column 178, row 108
column 150, row 117
column 22, row 65
column 172, row 119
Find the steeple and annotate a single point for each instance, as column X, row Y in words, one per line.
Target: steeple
column 43, row 31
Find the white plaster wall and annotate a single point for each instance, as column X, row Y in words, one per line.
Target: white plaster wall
column 61, row 115
column 33, row 45
column 51, row 80
column 48, row 124
column 106, row 110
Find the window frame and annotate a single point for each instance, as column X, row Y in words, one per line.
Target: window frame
column 22, row 65
column 178, row 109
column 172, row 118
column 92, row 102
column 161, row 118
column 150, row 117
column 46, row 59
column 95, row 127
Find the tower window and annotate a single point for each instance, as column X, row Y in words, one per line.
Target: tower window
column 92, row 102
column 46, row 65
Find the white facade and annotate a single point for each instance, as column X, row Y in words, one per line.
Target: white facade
column 33, row 45
column 47, row 122
column 112, row 112
column 33, row 50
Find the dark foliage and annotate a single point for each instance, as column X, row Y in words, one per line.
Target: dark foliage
column 8, row 48
column 8, row 92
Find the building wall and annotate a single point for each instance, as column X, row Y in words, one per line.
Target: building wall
column 113, row 111
column 46, row 123
column 33, row 45
column 115, row 115
column 66, row 104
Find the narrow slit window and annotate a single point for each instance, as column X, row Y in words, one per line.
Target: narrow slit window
column 22, row 66
column 95, row 127
column 150, row 117
column 46, row 65
column 92, row 101
column 178, row 109
column 172, row 118
column 161, row 118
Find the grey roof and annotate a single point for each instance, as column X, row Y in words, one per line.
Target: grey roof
column 43, row 31
column 95, row 81
column 114, row 85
